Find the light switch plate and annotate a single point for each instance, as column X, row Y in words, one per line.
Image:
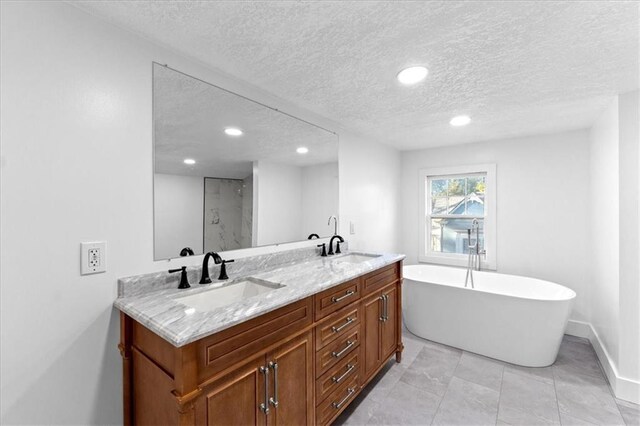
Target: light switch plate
column 352, row 228
column 93, row 257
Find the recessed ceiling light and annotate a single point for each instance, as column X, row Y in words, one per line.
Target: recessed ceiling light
column 460, row 120
column 189, row 161
column 412, row 75
column 233, row 131
column 302, row 150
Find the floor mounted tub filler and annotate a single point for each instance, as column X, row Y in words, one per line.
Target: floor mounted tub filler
column 515, row 319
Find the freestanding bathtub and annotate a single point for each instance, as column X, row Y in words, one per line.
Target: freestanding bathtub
column 515, row 319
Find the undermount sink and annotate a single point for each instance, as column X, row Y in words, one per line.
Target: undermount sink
column 355, row 258
column 227, row 294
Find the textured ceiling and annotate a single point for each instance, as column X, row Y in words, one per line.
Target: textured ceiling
column 515, row 67
column 190, row 116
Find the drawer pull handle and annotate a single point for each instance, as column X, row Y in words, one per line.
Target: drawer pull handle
column 345, row 374
column 339, row 329
column 274, row 399
column 264, row 406
column 337, row 405
column 381, row 318
column 341, row 298
column 342, row 352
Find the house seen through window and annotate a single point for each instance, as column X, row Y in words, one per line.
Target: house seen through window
column 451, row 199
column 454, row 203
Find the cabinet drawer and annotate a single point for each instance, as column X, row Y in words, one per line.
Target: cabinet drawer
column 380, row 278
column 338, row 324
column 224, row 349
column 336, row 351
column 335, row 403
column 336, row 298
column 336, row 376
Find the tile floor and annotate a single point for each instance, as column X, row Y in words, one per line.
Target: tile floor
column 440, row 385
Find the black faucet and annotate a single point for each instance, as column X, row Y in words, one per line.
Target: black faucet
column 312, row 236
column 184, row 281
column 223, row 269
column 187, row 251
column 205, row 266
column 340, row 240
column 324, row 249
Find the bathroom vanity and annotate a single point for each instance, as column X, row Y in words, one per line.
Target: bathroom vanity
column 293, row 336
column 296, row 354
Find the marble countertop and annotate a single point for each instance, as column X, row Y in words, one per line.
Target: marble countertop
column 179, row 324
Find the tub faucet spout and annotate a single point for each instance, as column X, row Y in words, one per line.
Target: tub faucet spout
column 470, row 263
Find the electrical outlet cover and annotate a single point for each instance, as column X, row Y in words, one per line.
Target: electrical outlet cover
column 93, row 257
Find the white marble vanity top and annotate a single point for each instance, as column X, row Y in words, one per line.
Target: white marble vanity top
column 161, row 311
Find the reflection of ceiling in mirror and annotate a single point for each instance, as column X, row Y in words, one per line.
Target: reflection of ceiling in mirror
column 189, row 121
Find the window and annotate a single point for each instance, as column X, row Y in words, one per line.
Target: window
column 450, row 200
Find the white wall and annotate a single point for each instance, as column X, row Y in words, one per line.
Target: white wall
column 615, row 292
column 76, row 165
column 178, row 214
column 369, row 196
column 604, row 224
column 294, row 202
column 542, row 204
column 629, row 134
column 319, row 199
column 279, row 209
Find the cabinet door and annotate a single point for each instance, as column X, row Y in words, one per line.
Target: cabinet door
column 291, row 382
column 235, row 399
column 390, row 324
column 371, row 326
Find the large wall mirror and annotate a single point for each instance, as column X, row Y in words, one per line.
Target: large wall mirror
column 231, row 173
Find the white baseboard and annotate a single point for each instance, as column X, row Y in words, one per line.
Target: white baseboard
column 578, row 329
column 623, row 388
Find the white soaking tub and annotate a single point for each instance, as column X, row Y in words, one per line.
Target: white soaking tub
column 515, row 319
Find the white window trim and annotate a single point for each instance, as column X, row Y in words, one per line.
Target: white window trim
column 490, row 260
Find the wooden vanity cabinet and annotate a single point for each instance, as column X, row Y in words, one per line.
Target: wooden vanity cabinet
column 235, row 399
column 301, row 364
column 391, row 326
column 275, row 389
column 295, row 382
column 380, row 328
column 382, row 319
column 225, row 377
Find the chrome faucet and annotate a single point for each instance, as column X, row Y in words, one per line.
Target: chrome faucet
column 474, row 253
column 335, row 224
column 470, row 262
